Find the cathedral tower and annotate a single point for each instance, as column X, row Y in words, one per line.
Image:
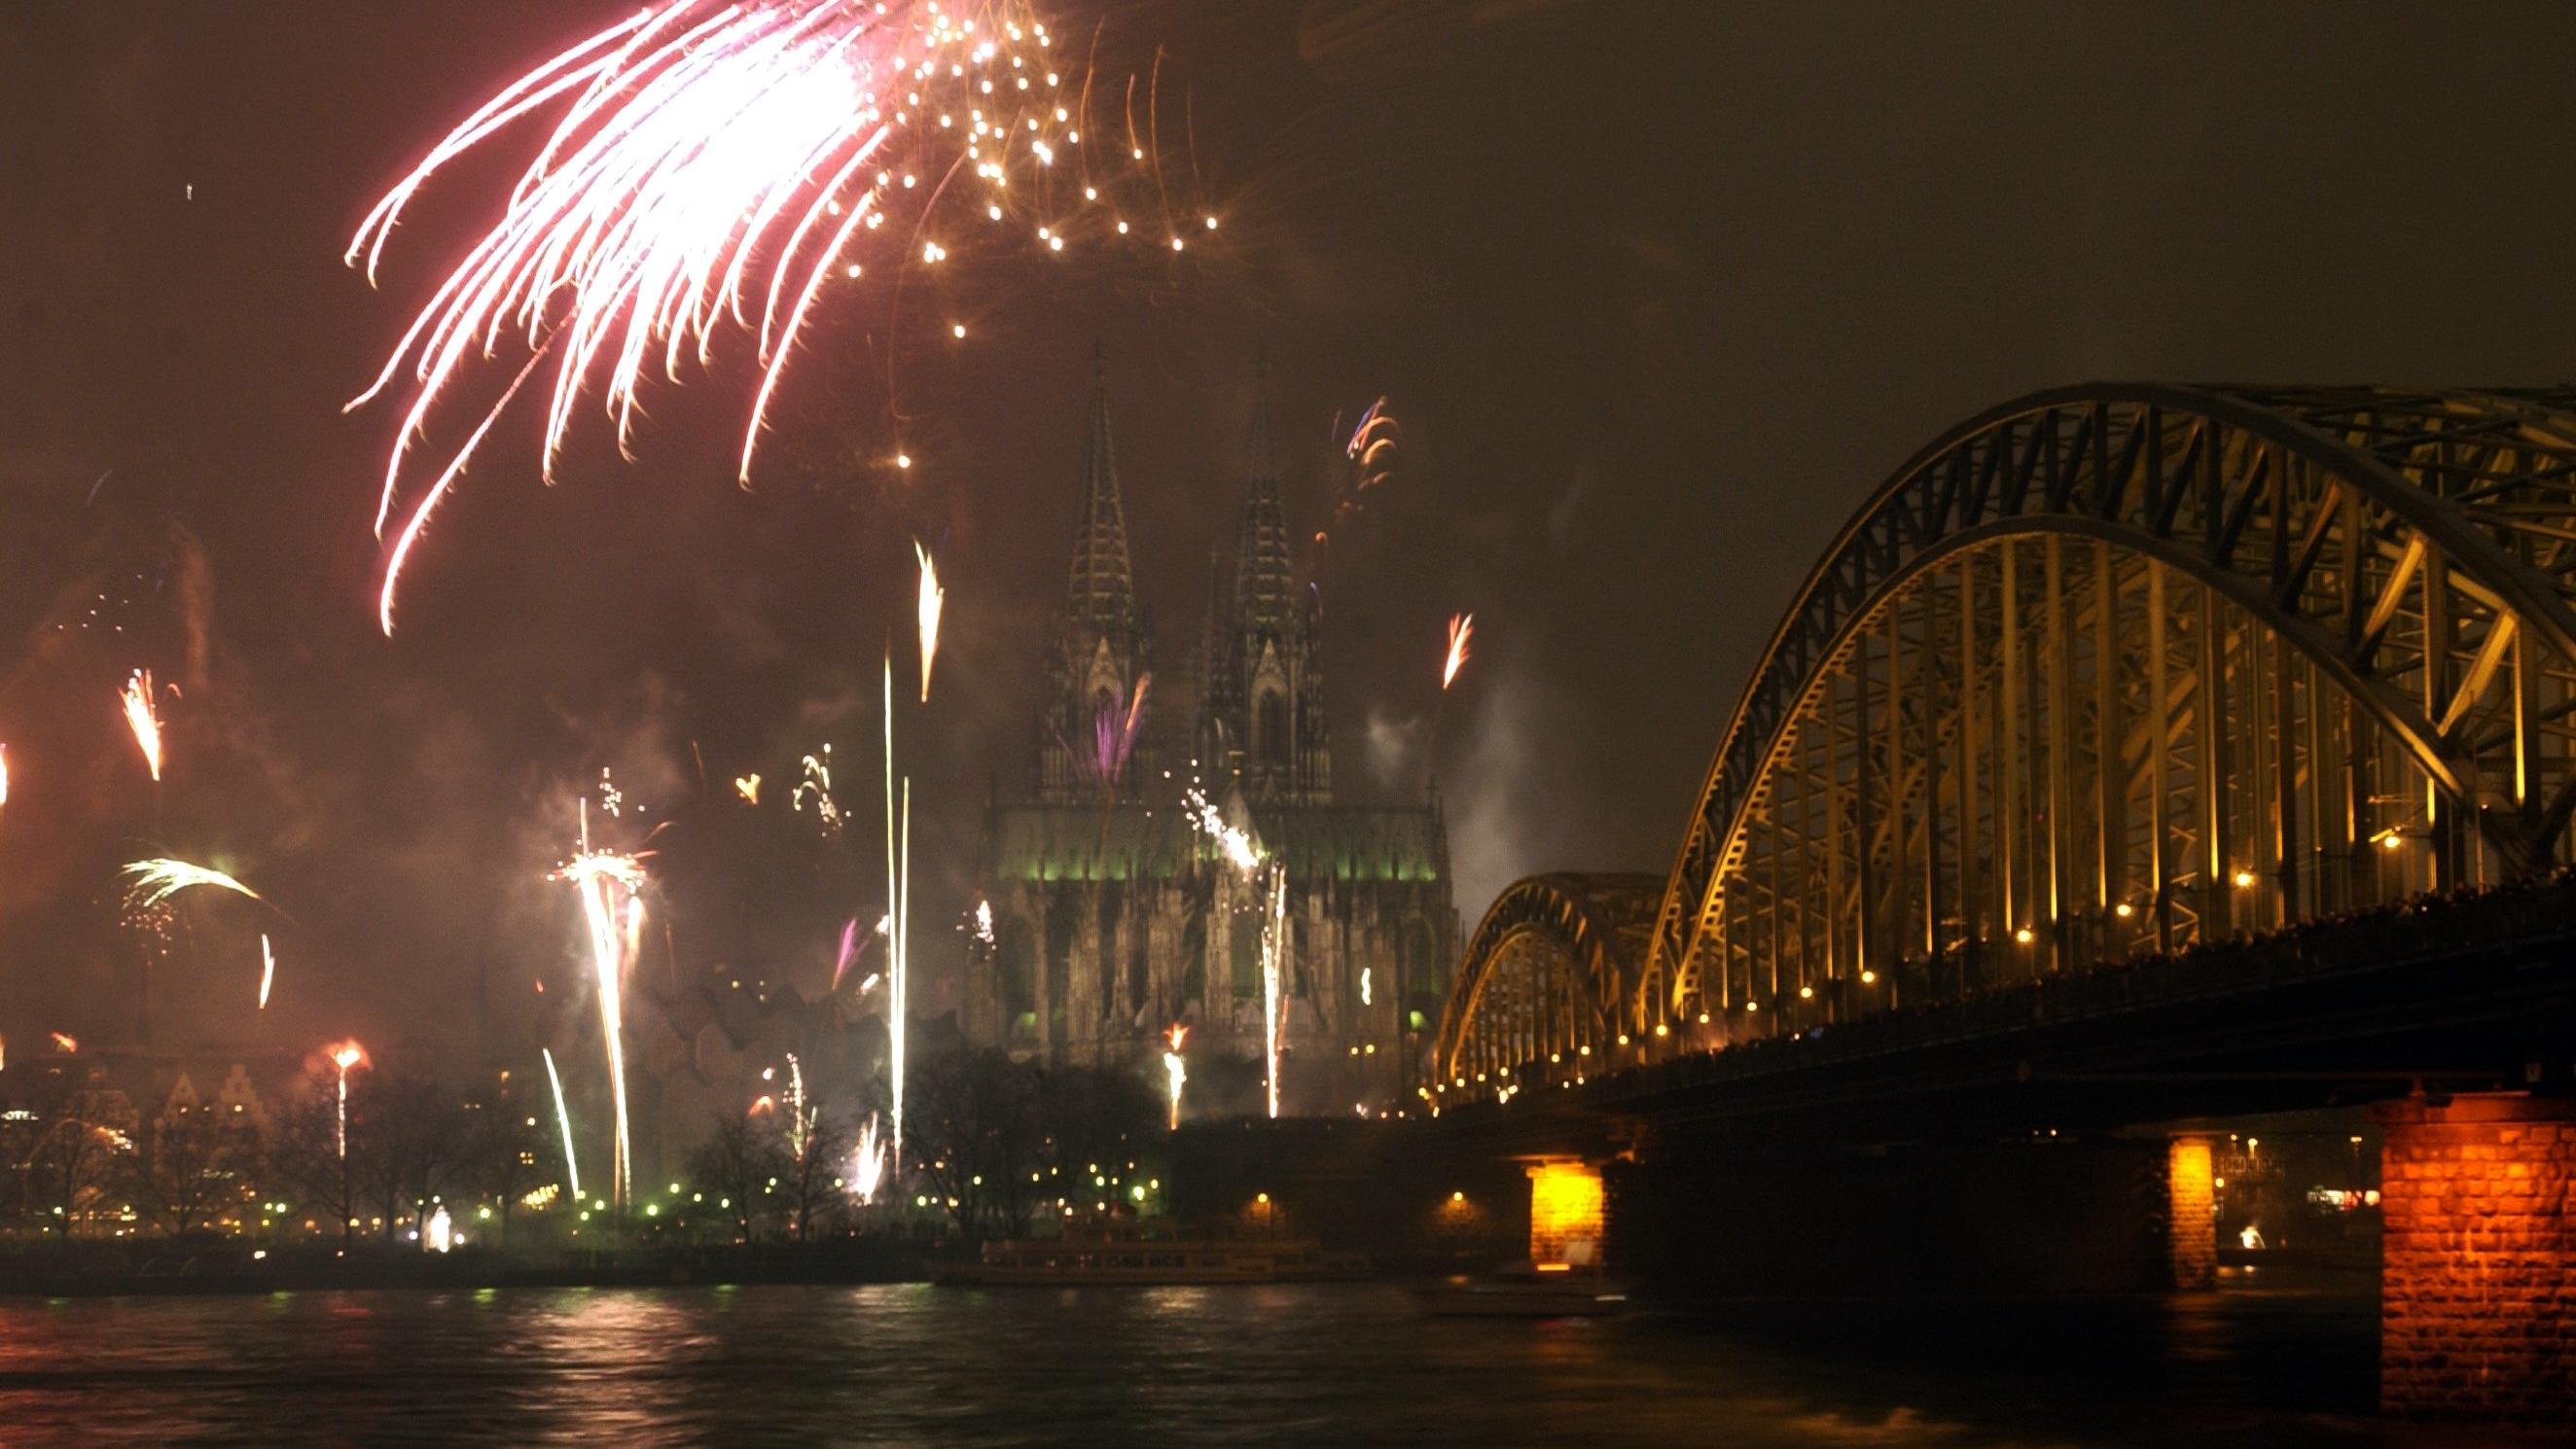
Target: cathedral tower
column 1265, row 690
column 1086, row 745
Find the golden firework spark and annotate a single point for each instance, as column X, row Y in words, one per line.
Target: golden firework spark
column 1461, row 628
column 933, row 598
column 344, row 1056
column 1175, row 1071
column 141, row 718
column 611, row 885
column 868, row 1163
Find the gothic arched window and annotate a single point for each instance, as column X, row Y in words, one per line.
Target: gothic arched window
column 1270, row 727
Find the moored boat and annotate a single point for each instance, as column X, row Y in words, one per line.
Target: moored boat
column 1528, row 1290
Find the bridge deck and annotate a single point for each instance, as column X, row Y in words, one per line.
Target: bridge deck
column 2455, row 990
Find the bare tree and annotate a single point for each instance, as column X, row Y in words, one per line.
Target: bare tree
column 814, row 1182
column 80, row 1148
column 974, row 1133
column 1096, row 1119
column 312, row 1153
column 194, row 1165
column 508, row 1152
column 737, row 1163
column 414, row 1131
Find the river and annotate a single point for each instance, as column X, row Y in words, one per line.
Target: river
column 1306, row 1366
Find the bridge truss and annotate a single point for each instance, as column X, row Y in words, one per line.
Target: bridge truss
column 2104, row 672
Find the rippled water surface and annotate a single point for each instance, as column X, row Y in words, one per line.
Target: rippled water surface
column 1302, row 1366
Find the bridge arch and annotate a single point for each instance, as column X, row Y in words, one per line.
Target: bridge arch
column 2114, row 668
column 1548, row 974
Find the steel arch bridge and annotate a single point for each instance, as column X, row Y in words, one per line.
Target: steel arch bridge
column 2105, row 671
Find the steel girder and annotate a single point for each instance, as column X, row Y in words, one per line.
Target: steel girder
column 2405, row 561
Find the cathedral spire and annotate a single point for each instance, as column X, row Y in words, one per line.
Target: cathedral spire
column 1265, row 586
column 1101, row 589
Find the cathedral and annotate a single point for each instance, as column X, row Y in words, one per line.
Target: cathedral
column 1116, row 913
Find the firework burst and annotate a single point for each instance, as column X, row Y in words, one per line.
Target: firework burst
column 711, row 167
column 1233, row 842
column 1372, row 445
column 151, row 883
column 816, row 787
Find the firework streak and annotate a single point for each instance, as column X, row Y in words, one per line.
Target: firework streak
column 563, row 1120
column 899, row 913
column 344, row 1056
column 1274, row 940
column 612, row 907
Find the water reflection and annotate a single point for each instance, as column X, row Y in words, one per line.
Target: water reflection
column 1302, row 1366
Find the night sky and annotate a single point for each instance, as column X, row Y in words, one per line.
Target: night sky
column 1656, row 292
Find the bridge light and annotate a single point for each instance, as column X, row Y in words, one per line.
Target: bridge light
column 1869, row 978
column 2390, row 841
column 1806, row 993
column 2244, row 879
column 1585, row 1050
column 1623, row 1038
column 1662, row 1030
column 1753, row 1006
column 1703, row 1018
column 1555, row 1056
column 2023, row 936
column 2124, row 910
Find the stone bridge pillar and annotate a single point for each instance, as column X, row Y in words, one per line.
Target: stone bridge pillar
column 1565, row 1213
column 2191, row 1224
column 2478, row 1278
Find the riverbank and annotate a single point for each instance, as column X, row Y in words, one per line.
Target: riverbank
column 91, row 1271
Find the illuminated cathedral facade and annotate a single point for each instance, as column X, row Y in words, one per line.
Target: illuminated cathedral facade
column 1116, row 915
